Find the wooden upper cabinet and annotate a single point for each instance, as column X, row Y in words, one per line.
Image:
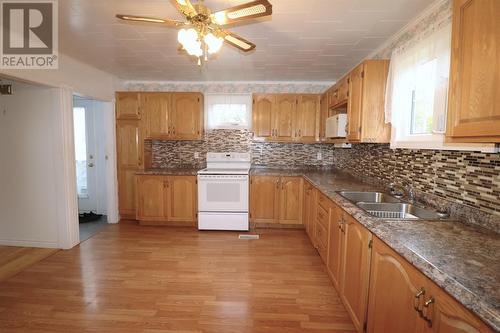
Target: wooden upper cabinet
column 343, row 90
column 290, row 200
column 157, row 115
column 355, row 104
column 323, row 115
column 335, row 245
column 355, row 272
column 262, row 115
column 307, row 119
column 394, row 293
column 187, row 116
column 264, row 199
column 181, row 198
column 366, row 106
column 446, row 315
column 151, row 191
column 128, row 105
column 284, row 117
column 474, row 95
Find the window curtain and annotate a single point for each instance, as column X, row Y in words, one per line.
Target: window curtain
column 228, row 111
column 402, row 79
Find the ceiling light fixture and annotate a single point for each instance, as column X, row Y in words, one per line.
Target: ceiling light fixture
column 202, row 32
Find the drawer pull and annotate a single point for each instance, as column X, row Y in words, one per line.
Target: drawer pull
column 426, row 311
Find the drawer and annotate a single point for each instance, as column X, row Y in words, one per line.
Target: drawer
column 322, row 216
column 324, row 201
column 322, row 240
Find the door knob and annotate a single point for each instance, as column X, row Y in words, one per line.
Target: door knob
column 91, row 165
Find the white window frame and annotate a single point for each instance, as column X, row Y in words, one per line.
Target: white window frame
column 212, row 99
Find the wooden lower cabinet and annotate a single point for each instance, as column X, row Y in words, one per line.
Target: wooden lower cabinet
column 355, row 271
column 181, row 199
column 402, row 299
column 264, row 199
column 166, row 199
column 335, row 244
column 276, row 200
column 446, row 315
column 394, row 290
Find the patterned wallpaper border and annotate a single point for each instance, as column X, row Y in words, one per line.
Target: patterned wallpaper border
column 231, row 87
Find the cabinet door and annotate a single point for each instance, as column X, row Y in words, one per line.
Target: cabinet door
column 394, row 285
column 323, row 115
column 474, row 98
column 307, row 207
column 127, row 143
column 128, row 105
column 344, row 89
column 335, row 245
column 186, row 116
column 129, row 160
column 150, row 198
column 446, row 315
column 262, row 115
column 307, row 117
column 264, row 199
column 284, row 117
column 127, row 193
column 290, row 200
column 181, row 201
column 355, row 270
column 354, row 109
column 156, row 110
column 333, row 96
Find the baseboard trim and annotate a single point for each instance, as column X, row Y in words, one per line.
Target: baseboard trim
column 169, row 223
column 29, row 243
column 259, row 225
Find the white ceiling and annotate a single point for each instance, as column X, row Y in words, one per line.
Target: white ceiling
column 304, row 40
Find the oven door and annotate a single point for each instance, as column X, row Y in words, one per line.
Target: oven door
column 223, row 193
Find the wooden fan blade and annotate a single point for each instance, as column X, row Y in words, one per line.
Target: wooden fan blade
column 185, row 7
column 237, row 41
column 173, row 23
column 239, row 13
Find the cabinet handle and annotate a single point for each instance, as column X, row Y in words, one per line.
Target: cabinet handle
column 300, row 132
column 416, row 302
column 277, row 184
column 425, row 311
column 173, row 129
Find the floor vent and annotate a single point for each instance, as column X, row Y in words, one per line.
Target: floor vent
column 248, row 236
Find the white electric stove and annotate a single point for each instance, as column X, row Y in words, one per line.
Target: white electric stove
column 223, row 189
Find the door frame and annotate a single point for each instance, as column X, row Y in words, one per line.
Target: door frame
column 68, row 229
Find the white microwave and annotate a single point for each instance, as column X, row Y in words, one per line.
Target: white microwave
column 336, row 126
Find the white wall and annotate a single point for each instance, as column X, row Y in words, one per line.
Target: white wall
column 82, row 78
column 31, row 155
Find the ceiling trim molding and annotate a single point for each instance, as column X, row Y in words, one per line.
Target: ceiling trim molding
column 231, row 82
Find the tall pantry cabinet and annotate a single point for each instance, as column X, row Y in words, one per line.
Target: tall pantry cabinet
column 144, row 116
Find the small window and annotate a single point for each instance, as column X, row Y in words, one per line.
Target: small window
column 228, row 111
column 417, row 91
column 423, row 95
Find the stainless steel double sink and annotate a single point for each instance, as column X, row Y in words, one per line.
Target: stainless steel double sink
column 382, row 205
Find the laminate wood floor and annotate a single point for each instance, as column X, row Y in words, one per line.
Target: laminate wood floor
column 15, row 259
column 131, row 278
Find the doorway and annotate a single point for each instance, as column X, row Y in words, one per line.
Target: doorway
column 90, row 160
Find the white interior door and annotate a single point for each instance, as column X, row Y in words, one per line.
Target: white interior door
column 85, row 154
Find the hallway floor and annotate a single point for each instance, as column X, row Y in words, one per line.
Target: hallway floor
column 131, row 278
column 89, row 229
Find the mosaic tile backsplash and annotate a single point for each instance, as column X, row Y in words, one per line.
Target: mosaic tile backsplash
column 467, row 178
column 170, row 154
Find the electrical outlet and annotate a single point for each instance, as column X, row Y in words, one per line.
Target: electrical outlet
column 196, row 155
column 319, row 157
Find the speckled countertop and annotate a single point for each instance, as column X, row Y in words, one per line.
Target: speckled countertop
column 462, row 259
column 169, row 172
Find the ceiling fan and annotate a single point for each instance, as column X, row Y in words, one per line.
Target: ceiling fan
column 202, row 33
